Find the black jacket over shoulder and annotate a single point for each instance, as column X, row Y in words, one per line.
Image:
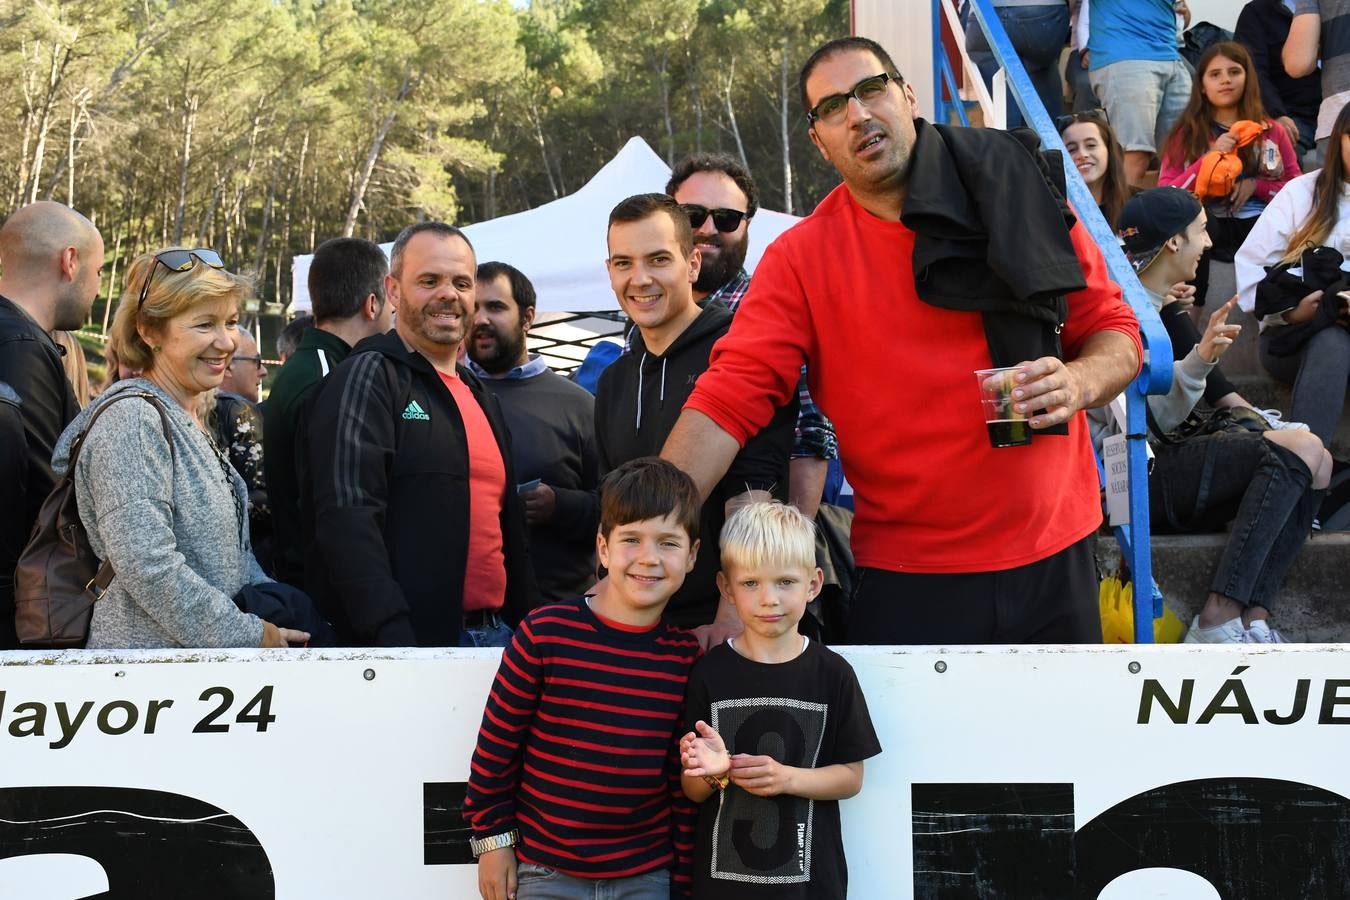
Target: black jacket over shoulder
column 390, row 501
column 637, row 401
column 992, row 236
column 36, row 405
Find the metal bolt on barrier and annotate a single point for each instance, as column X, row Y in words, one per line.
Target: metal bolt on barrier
column 369, row 674
column 1135, row 668
column 940, row 666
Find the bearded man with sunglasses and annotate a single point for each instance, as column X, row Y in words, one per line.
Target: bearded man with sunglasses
column 720, row 197
column 50, row 256
column 944, row 251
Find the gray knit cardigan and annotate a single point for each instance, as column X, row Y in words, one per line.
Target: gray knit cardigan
column 167, row 523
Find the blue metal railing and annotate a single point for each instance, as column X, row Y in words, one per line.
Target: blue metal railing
column 1156, row 375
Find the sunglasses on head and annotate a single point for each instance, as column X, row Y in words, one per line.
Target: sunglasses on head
column 1091, row 115
column 179, row 261
column 723, row 219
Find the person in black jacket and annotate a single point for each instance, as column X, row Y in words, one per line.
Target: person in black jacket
column 652, row 267
column 50, row 256
column 419, row 536
column 1262, row 27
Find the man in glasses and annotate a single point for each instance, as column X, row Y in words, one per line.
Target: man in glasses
column 720, row 198
column 238, row 429
column 50, row 257
column 900, row 285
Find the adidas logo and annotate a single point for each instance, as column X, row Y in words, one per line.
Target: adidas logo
column 415, row 413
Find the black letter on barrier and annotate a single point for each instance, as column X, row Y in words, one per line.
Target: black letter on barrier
column 1253, row 838
column 445, row 831
column 149, row 843
column 993, row 840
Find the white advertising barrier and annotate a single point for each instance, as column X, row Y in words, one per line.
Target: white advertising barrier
column 1130, row 772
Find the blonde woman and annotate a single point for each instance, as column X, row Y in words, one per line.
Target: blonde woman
column 171, row 515
column 76, row 366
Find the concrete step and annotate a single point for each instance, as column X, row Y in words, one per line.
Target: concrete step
column 1312, row 605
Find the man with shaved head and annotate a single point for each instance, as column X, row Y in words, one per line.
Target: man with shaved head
column 50, row 257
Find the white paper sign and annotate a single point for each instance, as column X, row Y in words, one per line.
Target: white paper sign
column 1116, row 461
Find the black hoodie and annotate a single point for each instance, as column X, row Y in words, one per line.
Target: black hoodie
column 389, row 494
column 637, row 401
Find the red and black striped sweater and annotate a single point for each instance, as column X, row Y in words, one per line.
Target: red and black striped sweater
column 579, row 746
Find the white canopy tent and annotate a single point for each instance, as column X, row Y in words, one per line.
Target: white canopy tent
column 560, row 246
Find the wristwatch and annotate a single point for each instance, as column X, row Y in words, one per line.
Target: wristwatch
column 479, row 846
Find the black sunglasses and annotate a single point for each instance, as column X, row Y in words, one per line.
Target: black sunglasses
column 1091, row 115
column 179, row 261
column 831, row 109
column 723, row 219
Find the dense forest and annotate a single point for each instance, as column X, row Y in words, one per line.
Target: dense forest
column 263, row 127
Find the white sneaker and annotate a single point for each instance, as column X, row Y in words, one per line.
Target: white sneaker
column 1230, row 632
column 1275, row 419
column 1261, row 633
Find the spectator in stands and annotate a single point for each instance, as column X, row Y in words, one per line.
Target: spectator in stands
column 75, row 365
column 576, row 746
column 1268, row 484
column 653, row 265
column 50, row 258
column 714, row 189
column 419, row 534
column 237, row 428
column 346, row 288
column 768, row 685
column 552, row 427
column 1096, row 153
column 1037, row 31
column 1305, row 52
column 1138, row 75
column 170, row 515
column 945, row 523
column 1226, row 91
column 290, row 336
column 1313, row 210
column 1081, row 98
column 1263, row 27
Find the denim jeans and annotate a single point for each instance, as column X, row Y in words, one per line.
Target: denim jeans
column 543, row 883
column 1263, row 488
column 495, row 633
column 1038, row 34
column 1080, row 85
column 1319, row 375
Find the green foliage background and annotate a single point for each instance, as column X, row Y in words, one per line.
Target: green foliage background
column 263, row 127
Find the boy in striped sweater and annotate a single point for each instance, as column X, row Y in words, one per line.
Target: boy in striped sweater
column 575, row 778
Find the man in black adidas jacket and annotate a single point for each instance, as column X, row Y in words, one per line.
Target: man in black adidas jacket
column 419, row 536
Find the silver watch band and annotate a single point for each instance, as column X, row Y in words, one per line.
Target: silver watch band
column 479, row 846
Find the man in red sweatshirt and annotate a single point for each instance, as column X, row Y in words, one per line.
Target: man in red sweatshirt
column 956, row 542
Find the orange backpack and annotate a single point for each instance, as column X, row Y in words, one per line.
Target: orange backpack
column 1219, row 172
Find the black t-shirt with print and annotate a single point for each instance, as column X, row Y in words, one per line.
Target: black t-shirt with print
column 808, row 712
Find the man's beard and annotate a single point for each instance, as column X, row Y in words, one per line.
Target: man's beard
column 717, row 271
column 71, row 311
column 506, row 352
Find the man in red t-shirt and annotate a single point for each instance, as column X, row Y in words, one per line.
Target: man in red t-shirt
column 957, row 542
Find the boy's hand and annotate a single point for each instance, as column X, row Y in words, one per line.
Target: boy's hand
column 762, row 776
column 703, row 753
column 497, row 874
